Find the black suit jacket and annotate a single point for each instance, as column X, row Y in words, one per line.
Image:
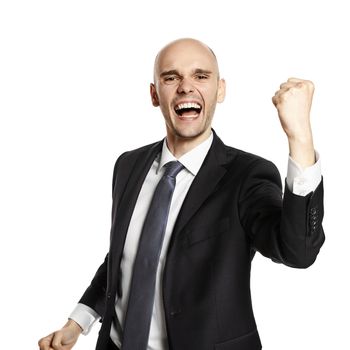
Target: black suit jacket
column 234, row 208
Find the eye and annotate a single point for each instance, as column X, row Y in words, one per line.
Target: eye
column 202, row 76
column 170, row 79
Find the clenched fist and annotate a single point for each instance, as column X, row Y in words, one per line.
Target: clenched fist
column 293, row 102
column 64, row 339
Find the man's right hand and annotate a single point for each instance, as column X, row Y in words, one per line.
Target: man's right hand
column 64, row 339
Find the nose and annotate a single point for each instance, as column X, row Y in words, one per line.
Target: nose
column 185, row 86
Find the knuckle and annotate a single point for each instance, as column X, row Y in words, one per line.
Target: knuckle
column 42, row 343
column 283, row 97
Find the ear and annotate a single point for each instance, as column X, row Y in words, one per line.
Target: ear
column 221, row 91
column 154, row 95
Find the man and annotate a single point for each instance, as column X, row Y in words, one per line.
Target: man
column 224, row 205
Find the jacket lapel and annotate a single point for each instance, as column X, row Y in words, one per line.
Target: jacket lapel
column 137, row 174
column 204, row 184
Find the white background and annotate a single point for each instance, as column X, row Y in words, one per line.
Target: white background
column 74, row 81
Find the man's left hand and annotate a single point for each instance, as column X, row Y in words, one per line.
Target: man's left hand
column 293, row 102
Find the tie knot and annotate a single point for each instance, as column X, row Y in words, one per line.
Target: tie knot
column 173, row 168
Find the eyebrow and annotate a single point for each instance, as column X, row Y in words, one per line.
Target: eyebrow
column 169, row 72
column 175, row 72
column 202, row 71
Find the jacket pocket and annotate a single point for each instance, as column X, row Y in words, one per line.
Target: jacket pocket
column 203, row 232
column 249, row 341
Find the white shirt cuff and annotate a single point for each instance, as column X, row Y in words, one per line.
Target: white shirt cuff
column 302, row 181
column 85, row 317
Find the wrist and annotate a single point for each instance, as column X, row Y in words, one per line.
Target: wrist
column 74, row 326
column 301, row 150
column 301, row 134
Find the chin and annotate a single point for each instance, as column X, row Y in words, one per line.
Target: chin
column 189, row 134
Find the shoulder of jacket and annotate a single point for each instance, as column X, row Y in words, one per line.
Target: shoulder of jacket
column 132, row 155
column 245, row 158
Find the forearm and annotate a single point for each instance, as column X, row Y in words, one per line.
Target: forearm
column 300, row 231
column 95, row 294
column 301, row 148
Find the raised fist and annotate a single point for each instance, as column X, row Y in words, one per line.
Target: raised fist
column 293, row 102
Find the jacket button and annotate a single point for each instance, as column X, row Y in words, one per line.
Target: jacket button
column 109, row 296
column 313, row 211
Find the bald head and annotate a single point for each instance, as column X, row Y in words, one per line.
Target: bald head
column 186, row 48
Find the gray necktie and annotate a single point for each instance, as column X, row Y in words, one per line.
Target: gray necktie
column 141, row 298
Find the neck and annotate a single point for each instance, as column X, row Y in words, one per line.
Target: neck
column 178, row 145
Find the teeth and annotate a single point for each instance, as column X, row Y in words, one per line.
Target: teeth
column 187, row 105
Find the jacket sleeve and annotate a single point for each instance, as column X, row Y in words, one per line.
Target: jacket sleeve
column 287, row 229
column 95, row 295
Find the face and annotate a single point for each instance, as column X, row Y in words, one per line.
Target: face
column 187, row 88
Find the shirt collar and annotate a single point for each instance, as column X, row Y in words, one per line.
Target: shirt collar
column 191, row 160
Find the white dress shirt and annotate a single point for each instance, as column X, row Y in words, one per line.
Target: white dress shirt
column 299, row 181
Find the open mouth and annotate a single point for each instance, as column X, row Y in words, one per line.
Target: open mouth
column 189, row 109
